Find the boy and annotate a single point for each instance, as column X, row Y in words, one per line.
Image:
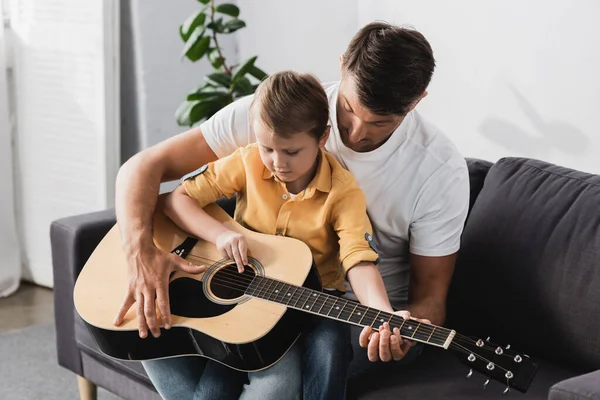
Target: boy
column 287, row 185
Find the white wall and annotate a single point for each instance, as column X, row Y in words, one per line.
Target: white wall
column 163, row 79
column 308, row 36
column 514, row 78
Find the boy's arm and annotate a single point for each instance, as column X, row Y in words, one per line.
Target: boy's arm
column 368, row 286
column 350, row 221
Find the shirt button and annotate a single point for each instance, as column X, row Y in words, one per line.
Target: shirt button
column 285, row 196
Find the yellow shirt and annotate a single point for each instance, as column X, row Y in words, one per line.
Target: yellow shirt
column 330, row 215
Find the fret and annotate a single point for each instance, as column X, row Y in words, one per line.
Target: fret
column 324, row 302
column 300, row 289
column 272, row 292
column 358, row 313
column 307, row 294
column 290, row 296
column 268, row 289
column 277, row 291
column 310, row 302
column 346, row 314
column 414, row 330
column 252, row 286
column 283, row 291
column 421, row 332
column 369, row 317
column 260, row 283
column 375, row 319
column 332, row 306
column 429, row 338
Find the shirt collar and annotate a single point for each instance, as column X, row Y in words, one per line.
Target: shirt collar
column 321, row 181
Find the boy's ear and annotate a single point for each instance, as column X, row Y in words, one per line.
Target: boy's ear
column 325, row 136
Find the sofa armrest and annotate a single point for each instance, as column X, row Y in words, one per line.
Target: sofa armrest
column 582, row 387
column 73, row 240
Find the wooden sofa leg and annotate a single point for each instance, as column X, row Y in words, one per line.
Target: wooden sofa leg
column 87, row 389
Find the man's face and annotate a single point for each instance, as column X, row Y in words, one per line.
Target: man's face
column 360, row 129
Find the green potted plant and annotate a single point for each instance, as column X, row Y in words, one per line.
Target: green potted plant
column 227, row 82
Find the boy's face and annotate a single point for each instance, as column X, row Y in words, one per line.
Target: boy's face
column 360, row 129
column 292, row 160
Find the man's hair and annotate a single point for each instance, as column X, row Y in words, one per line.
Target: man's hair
column 392, row 66
column 290, row 102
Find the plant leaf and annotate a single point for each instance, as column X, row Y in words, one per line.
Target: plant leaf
column 205, row 109
column 219, row 79
column 228, row 9
column 217, row 26
column 182, row 115
column 257, row 73
column 204, row 1
column 243, row 87
column 242, row 69
column 195, row 20
column 205, row 94
column 195, row 49
column 233, row 25
column 215, row 59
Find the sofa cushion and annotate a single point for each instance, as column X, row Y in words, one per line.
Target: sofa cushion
column 528, row 272
column 582, row 387
column 132, row 369
column 478, row 170
column 438, row 374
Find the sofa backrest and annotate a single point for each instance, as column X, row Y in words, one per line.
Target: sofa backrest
column 528, row 271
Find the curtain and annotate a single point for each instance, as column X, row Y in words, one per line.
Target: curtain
column 10, row 260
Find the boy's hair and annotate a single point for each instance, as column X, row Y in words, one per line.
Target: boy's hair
column 391, row 66
column 289, row 102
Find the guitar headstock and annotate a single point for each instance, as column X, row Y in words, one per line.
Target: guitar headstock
column 500, row 363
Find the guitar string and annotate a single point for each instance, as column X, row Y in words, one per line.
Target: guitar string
column 437, row 335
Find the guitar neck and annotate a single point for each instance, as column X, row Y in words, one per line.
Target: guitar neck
column 348, row 311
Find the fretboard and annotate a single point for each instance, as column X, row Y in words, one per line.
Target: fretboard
column 329, row 306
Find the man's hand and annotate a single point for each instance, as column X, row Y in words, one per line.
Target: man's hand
column 149, row 272
column 386, row 345
column 233, row 245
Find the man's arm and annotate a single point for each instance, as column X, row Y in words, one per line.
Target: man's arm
column 137, row 187
column 429, row 282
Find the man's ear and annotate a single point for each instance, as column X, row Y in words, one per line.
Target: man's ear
column 421, row 97
column 325, row 136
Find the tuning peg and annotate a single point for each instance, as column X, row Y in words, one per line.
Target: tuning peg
column 486, row 383
column 506, row 390
column 507, row 346
column 470, row 373
column 488, row 339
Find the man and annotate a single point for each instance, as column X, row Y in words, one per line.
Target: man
column 414, row 179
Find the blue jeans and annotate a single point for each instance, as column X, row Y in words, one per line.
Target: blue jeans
column 314, row 368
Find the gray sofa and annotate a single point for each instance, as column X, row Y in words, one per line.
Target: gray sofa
column 528, row 275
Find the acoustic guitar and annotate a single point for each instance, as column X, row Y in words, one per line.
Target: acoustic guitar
column 249, row 320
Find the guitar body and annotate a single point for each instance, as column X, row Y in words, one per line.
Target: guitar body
column 211, row 315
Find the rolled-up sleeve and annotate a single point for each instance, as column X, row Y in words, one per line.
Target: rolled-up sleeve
column 350, row 221
column 224, row 177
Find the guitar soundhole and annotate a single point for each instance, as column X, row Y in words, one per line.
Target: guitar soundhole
column 227, row 283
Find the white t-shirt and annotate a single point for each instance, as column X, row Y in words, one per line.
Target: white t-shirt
column 416, row 185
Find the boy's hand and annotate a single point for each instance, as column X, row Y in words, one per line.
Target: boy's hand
column 233, row 245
